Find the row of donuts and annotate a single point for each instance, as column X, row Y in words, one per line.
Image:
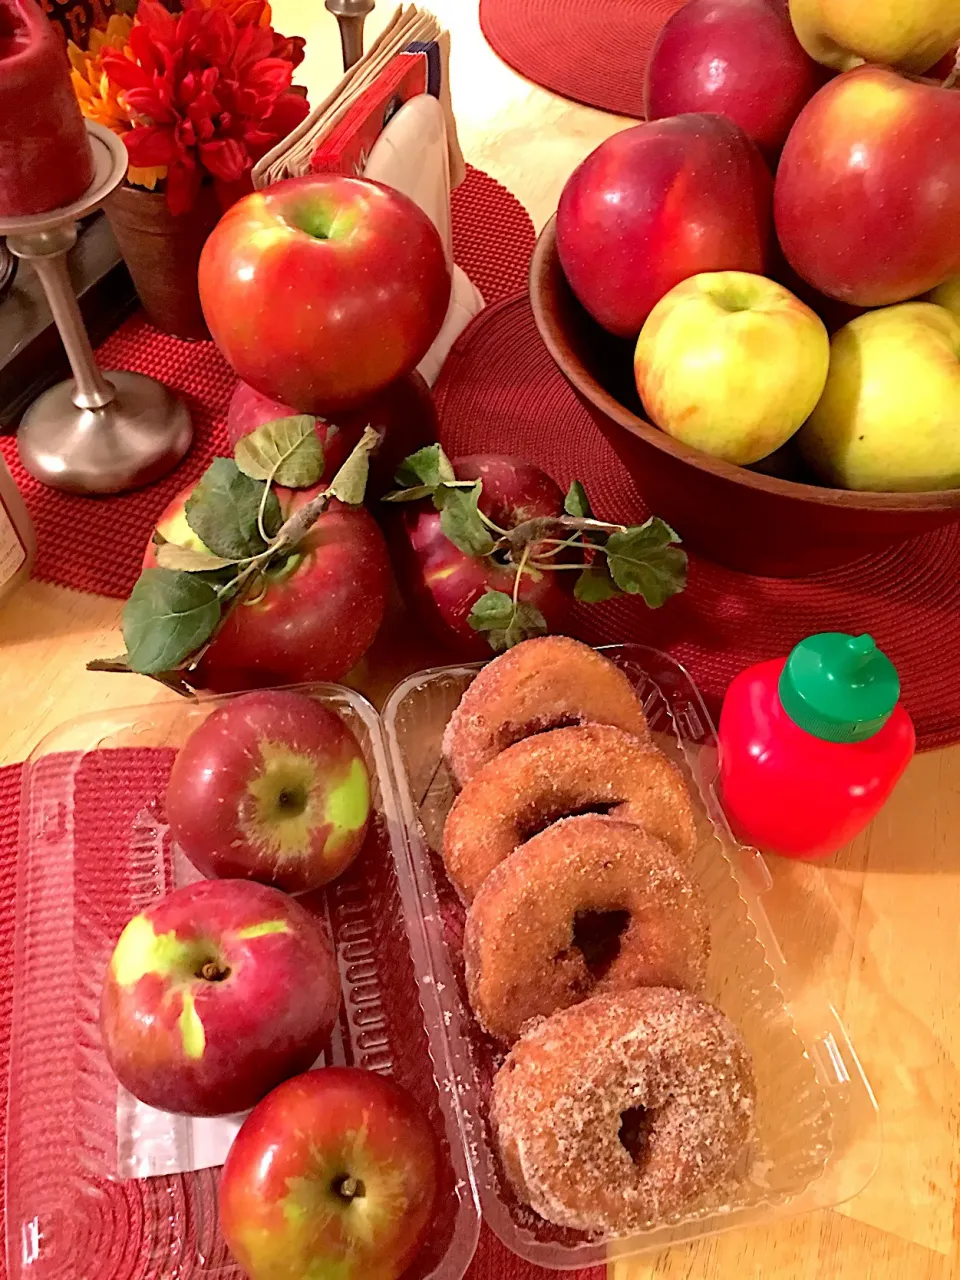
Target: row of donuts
column 624, row 1097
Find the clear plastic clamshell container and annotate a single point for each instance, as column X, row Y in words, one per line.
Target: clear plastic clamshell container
column 818, row 1133
column 94, row 850
column 99, row 1187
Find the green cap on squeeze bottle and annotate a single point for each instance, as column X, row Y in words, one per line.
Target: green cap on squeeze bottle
column 838, row 687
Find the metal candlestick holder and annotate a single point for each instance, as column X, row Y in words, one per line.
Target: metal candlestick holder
column 351, row 15
column 95, row 433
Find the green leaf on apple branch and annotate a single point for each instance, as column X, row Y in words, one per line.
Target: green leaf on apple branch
column 189, row 560
column 504, row 622
column 644, row 561
column 287, row 451
column 461, row 523
column 595, row 584
column 428, row 467
column 168, row 617
column 223, row 511
column 576, row 503
column 350, row 482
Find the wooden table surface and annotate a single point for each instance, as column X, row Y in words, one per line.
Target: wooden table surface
column 877, row 928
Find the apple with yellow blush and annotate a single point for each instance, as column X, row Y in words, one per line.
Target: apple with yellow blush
column 889, row 416
column 272, row 787
column 910, row 34
column 215, row 994
column 731, row 364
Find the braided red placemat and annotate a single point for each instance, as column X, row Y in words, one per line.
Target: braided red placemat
column 594, row 51
column 123, row 1225
column 96, row 544
column 501, row 392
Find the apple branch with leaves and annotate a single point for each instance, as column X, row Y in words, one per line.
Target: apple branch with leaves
column 609, row 559
column 176, row 609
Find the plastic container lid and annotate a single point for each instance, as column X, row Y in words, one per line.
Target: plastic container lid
column 838, row 687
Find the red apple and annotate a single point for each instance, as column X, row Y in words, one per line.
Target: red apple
column 334, row 1174
column 404, row 414
column 738, row 58
column 321, row 291
column 656, row 204
column 312, row 617
column 215, row 994
column 868, row 190
column 271, row 787
column 444, row 583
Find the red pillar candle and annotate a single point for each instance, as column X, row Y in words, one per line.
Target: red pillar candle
column 45, row 156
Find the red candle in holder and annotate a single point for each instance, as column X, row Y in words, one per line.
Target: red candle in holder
column 45, row 156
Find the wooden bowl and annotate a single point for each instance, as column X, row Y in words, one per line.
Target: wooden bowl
column 776, row 521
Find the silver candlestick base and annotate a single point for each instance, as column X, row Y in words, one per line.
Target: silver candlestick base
column 96, row 433
column 351, row 15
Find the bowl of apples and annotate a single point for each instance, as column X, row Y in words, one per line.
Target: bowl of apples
column 767, row 324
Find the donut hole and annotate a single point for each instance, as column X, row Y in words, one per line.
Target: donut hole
column 598, row 936
column 636, row 1124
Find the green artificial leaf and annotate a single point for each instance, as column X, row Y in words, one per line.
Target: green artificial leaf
column 188, row 559
column 350, row 482
column 287, row 452
column 595, row 585
column 168, row 617
column 576, row 503
column 644, row 561
column 413, row 494
column 428, row 467
column 504, row 622
column 223, row 511
column 461, row 523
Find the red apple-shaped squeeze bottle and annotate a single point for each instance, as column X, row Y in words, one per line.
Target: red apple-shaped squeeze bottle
column 812, row 745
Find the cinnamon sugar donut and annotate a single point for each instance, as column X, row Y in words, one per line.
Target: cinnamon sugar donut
column 623, row 1111
column 588, row 906
column 551, row 776
column 546, row 683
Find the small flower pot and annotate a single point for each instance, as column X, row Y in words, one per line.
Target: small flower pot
column 162, row 253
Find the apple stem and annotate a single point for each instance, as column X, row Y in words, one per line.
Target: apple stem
column 348, row 1187
column 213, row 971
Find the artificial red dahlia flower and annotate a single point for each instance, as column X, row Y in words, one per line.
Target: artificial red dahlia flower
column 209, row 96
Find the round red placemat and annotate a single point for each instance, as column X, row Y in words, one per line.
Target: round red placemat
column 501, row 392
column 594, row 51
column 96, row 544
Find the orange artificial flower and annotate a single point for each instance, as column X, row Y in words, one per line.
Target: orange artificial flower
column 100, row 100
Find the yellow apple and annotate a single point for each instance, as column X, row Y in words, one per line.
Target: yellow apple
column 947, row 295
column 731, row 363
column 912, row 35
column 889, row 416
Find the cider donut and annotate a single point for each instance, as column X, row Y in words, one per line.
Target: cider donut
column 546, row 683
column 625, row 1110
column 591, row 905
column 554, row 775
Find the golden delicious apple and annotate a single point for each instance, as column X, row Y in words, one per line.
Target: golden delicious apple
column 731, row 363
column 912, row 35
column 947, row 295
column 889, row 416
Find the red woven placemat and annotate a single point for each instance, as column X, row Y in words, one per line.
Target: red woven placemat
column 101, row 821
column 594, row 51
column 96, row 544
column 501, row 392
